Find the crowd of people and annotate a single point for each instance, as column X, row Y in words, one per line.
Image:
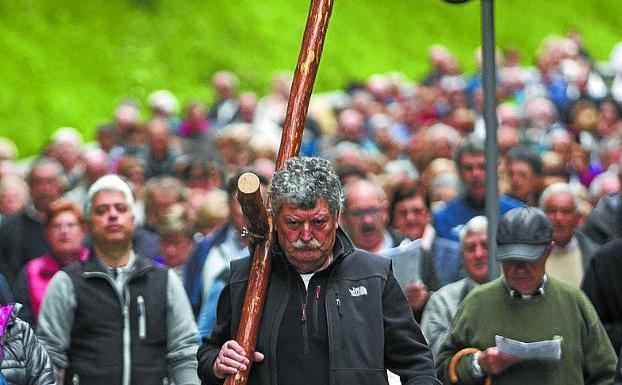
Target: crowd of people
column 126, row 254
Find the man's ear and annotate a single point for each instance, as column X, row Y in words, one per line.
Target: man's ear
column 549, row 249
column 580, row 218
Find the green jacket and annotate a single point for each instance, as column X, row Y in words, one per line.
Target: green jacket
column 561, row 312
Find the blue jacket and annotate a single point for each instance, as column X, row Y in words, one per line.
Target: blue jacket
column 193, row 280
column 449, row 220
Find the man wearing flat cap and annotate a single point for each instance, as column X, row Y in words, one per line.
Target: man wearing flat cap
column 528, row 306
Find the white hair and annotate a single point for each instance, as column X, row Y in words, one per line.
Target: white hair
column 398, row 166
column 440, row 130
column 67, row 135
column 596, row 185
column 344, row 148
column 8, row 149
column 165, row 101
column 108, row 183
column 558, row 188
column 474, row 225
column 17, row 182
column 557, row 133
column 446, row 179
column 127, row 111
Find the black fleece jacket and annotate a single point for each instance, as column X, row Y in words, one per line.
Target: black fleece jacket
column 369, row 324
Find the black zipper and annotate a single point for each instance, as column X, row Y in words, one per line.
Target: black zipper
column 303, row 322
column 316, row 326
column 338, row 302
column 330, row 280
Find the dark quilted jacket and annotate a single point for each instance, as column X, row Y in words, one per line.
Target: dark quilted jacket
column 25, row 361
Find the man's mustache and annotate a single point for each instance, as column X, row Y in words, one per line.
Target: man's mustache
column 311, row 244
column 368, row 228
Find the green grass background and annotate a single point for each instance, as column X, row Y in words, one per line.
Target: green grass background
column 68, row 62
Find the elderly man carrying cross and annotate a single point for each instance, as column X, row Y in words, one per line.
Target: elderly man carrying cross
column 333, row 314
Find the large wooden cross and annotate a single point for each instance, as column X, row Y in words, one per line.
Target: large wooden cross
column 260, row 230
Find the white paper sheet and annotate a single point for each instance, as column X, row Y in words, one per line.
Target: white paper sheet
column 540, row 350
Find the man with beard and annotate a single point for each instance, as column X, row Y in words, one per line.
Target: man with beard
column 329, row 307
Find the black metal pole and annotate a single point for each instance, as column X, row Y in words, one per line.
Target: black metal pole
column 490, row 120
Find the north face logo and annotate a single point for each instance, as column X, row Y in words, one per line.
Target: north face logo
column 358, row 291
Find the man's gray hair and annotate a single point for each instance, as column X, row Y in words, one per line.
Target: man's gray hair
column 471, row 144
column 554, row 134
column 17, row 182
column 108, row 183
column 558, row 188
column 302, row 182
column 475, row 225
column 346, row 147
column 440, row 130
column 596, row 184
column 45, row 161
column 397, row 166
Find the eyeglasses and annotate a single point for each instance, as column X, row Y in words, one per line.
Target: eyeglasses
column 411, row 210
column 360, row 213
column 60, row 226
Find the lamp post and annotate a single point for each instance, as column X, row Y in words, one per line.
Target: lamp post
column 490, row 120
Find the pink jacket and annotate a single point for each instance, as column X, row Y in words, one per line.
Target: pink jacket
column 39, row 272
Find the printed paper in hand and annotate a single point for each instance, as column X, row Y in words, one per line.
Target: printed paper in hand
column 540, row 350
